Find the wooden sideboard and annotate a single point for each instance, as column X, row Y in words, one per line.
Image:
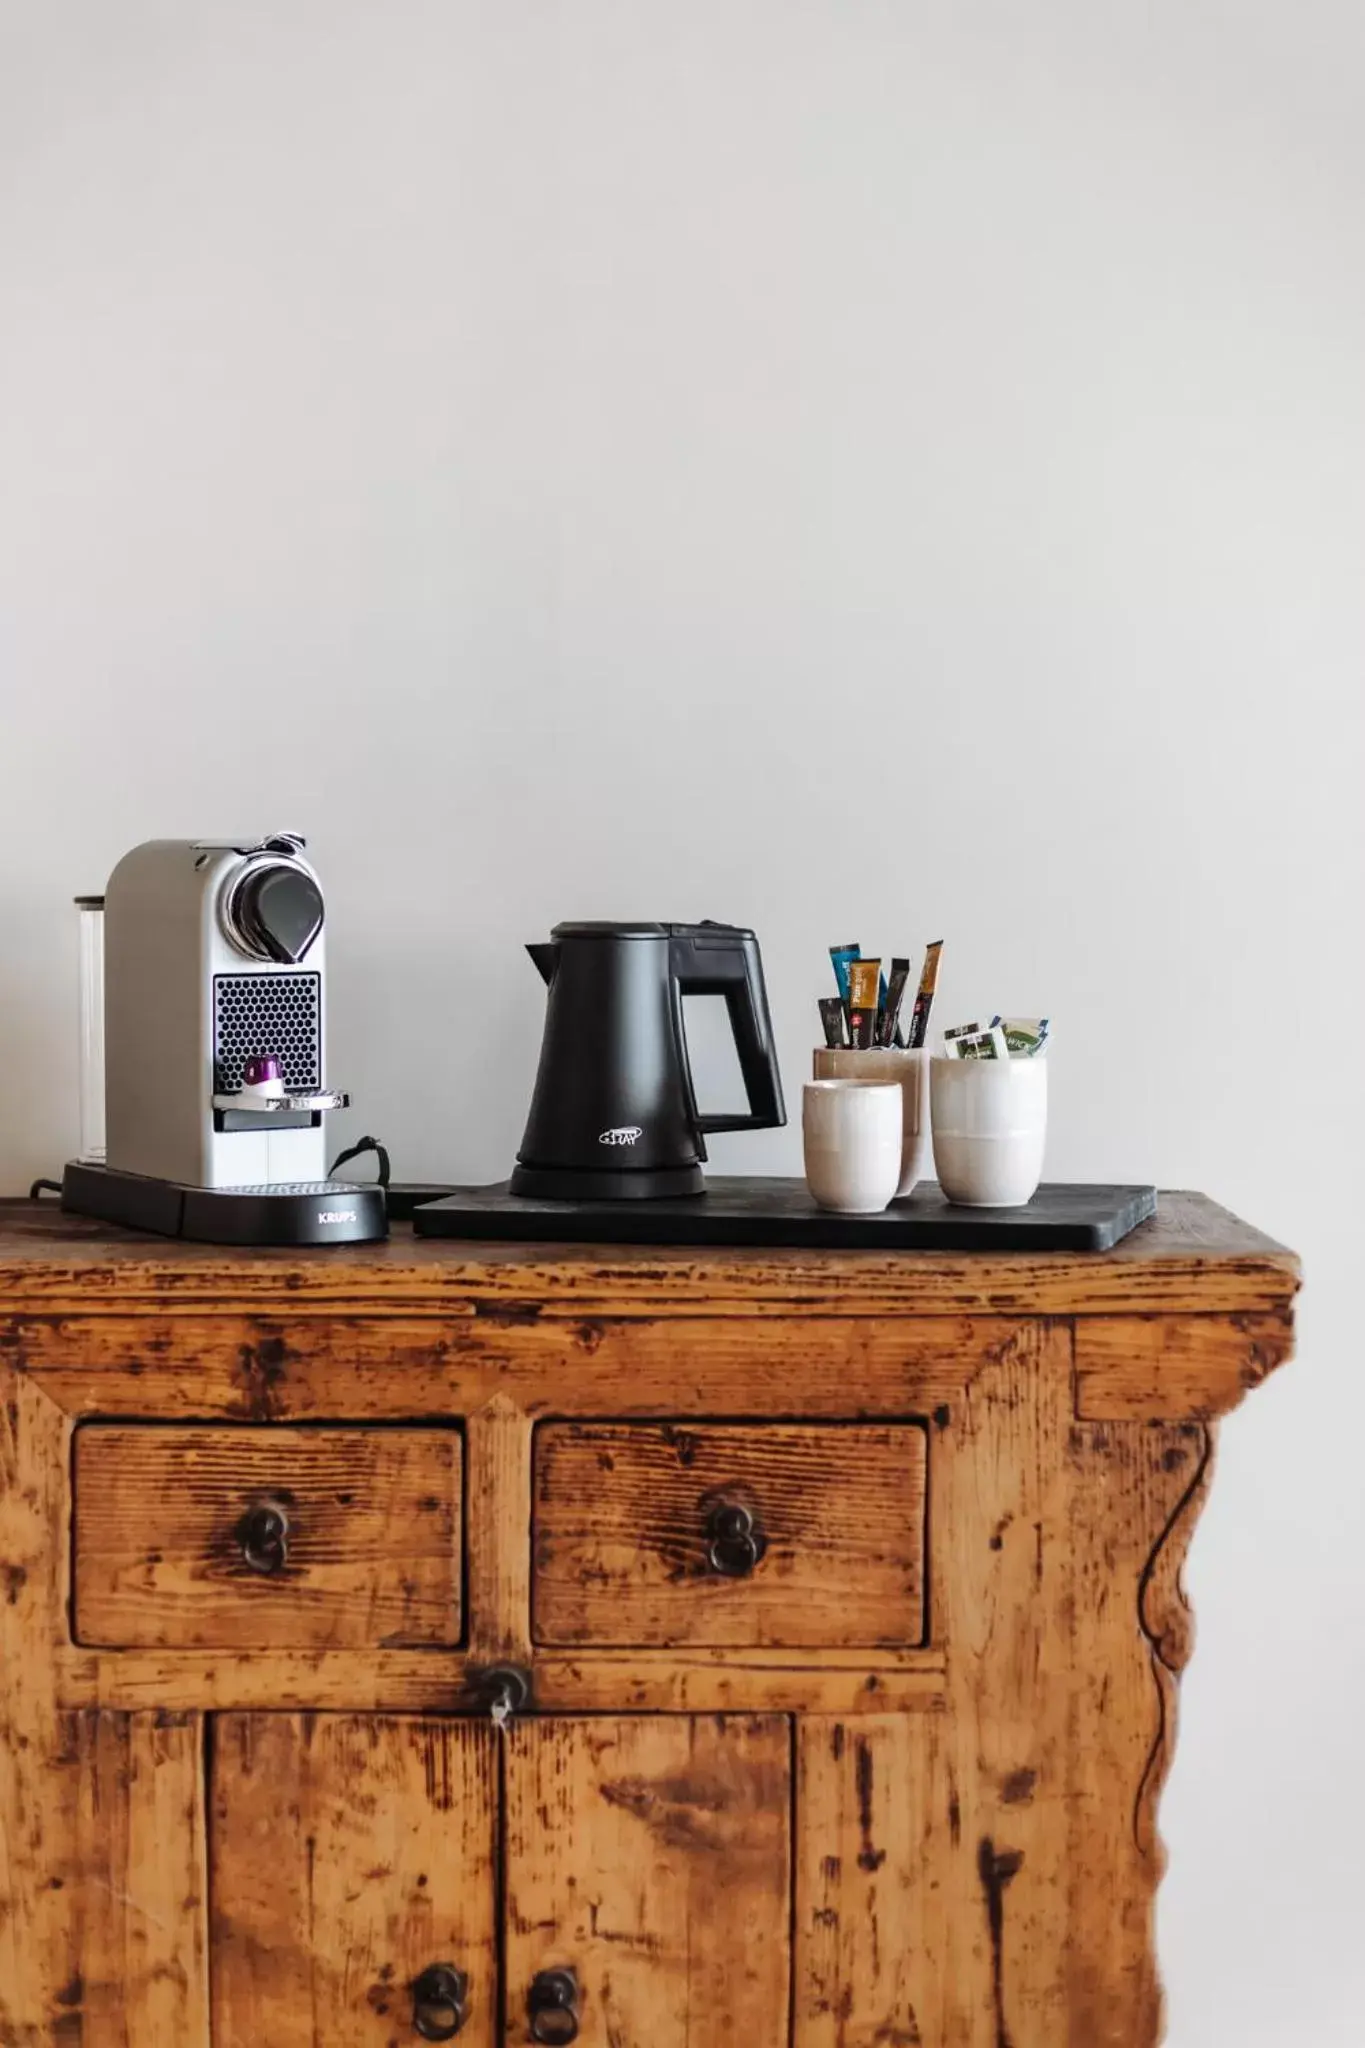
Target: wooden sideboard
column 657, row 1649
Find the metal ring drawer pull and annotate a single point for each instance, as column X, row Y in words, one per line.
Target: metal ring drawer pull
column 735, row 1543
column 552, row 2006
column 440, row 2002
column 263, row 1534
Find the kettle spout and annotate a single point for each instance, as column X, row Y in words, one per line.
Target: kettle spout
column 545, row 956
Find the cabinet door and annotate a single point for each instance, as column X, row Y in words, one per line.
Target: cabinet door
column 351, row 1857
column 650, row 1860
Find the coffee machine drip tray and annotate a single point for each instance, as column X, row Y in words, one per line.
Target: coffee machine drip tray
column 291, row 1212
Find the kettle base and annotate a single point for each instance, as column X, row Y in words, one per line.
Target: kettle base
column 605, row 1184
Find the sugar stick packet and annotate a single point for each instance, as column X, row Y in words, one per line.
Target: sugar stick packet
column 832, row 1020
column 963, row 1043
column 841, row 959
column 888, row 1016
column 864, row 977
column 928, row 982
column 1025, row 1036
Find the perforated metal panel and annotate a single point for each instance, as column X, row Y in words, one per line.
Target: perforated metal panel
column 267, row 1013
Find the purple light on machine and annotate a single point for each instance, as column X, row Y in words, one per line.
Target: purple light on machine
column 260, row 1068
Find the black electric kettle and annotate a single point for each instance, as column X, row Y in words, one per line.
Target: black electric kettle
column 614, row 1115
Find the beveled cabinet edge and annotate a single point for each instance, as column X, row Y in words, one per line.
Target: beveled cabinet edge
column 1192, row 1257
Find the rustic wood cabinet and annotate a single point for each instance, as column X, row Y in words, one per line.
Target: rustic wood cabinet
column 652, row 1649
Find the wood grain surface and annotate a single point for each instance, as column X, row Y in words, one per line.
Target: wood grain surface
column 40, row 1960
column 372, row 1550
column 101, row 1815
column 653, row 1858
column 1193, row 1257
column 1191, row 1368
column 1136, row 1494
column 349, row 1854
column 870, row 1915
column 499, row 1439
column 251, row 1368
column 141, row 1880
column 987, row 1875
column 950, row 1844
column 704, row 1680
column 623, row 1522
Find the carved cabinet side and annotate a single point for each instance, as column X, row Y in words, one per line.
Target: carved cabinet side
column 984, row 1877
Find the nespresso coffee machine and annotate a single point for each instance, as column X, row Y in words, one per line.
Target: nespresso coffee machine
column 614, row 1116
column 214, row 1014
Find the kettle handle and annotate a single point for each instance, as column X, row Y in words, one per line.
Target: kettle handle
column 721, row 960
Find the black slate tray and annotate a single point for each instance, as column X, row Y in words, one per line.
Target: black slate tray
column 1062, row 1217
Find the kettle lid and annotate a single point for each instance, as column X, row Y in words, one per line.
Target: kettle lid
column 601, row 928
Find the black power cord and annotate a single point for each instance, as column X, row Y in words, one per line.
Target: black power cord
column 401, row 1197
column 363, row 1145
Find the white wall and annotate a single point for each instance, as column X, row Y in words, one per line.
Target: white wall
column 867, row 470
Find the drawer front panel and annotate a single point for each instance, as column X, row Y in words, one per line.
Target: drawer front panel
column 279, row 1538
column 729, row 1535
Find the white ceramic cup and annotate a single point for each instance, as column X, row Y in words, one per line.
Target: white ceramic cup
column 893, row 1063
column 852, row 1136
column 990, row 1129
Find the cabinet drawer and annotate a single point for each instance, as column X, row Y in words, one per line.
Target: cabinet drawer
column 727, row 1535
column 277, row 1538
